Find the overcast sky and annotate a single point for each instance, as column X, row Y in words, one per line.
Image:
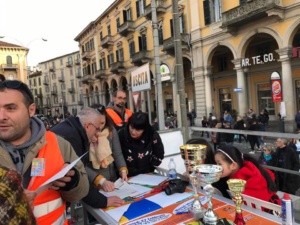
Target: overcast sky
column 26, row 22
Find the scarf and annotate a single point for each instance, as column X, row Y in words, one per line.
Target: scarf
column 267, row 157
column 101, row 154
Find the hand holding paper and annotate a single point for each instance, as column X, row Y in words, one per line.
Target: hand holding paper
column 59, row 178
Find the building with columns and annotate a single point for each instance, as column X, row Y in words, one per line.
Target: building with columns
column 237, row 46
column 230, row 51
column 121, row 40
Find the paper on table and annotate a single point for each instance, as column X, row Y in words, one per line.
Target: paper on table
column 57, row 176
column 146, row 179
column 165, row 200
column 124, row 191
column 117, row 213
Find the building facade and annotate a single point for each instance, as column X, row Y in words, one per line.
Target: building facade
column 13, row 61
column 56, row 85
column 238, row 47
column 121, row 40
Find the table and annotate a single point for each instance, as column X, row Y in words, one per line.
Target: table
column 222, row 206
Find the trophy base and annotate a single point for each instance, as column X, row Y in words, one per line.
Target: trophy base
column 223, row 221
column 196, row 214
column 210, row 217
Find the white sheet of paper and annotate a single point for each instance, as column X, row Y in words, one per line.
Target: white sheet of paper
column 58, row 175
column 146, row 179
column 165, row 200
column 118, row 212
column 124, row 191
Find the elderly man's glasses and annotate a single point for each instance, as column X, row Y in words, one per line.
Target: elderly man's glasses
column 17, row 85
column 97, row 128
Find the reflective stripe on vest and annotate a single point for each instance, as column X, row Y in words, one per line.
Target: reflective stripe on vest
column 116, row 118
column 49, row 208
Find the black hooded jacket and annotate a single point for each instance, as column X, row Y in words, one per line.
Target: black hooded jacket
column 72, row 131
column 143, row 154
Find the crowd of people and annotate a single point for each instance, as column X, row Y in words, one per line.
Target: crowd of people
column 119, row 143
column 115, row 143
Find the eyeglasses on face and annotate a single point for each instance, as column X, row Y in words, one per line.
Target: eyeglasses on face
column 97, row 128
column 17, row 85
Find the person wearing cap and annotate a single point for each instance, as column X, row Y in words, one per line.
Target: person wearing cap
column 37, row 154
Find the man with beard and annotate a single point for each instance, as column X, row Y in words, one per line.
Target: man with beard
column 37, row 155
column 117, row 111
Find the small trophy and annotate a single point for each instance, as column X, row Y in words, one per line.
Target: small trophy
column 194, row 154
column 237, row 186
column 208, row 174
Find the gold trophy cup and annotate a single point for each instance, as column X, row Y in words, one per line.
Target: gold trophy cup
column 208, row 174
column 194, row 154
column 237, row 186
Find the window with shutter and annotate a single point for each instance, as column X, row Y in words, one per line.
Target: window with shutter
column 160, row 36
column 117, row 55
column 206, row 7
column 171, row 26
column 137, row 5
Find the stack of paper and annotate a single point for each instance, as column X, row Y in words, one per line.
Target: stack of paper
column 123, row 190
column 146, row 179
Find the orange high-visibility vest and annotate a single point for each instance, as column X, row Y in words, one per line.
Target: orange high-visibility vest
column 49, row 207
column 116, row 118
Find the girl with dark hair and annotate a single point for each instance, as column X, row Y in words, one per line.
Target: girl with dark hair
column 221, row 185
column 142, row 147
column 105, row 154
column 260, row 182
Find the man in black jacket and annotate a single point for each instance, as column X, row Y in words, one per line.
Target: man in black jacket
column 80, row 131
column 287, row 158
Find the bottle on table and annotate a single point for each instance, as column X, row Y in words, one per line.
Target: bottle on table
column 172, row 174
column 287, row 210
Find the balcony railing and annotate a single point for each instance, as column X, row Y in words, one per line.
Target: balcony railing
column 54, row 92
column 71, row 90
column 69, row 64
column 77, row 62
column 80, row 102
column 126, row 28
column 51, row 69
column 61, row 79
column 100, row 74
column 160, row 9
column 117, row 67
column 169, row 46
column 141, row 57
column 250, row 11
column 46, row 82
column 86, row 79
column 107, row 41
column 78, row 75
column 9, row 66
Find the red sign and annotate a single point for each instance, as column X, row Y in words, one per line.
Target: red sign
column 276, row 90
column 136, row 97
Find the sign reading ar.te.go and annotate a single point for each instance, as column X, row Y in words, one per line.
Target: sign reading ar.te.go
column 140, row 79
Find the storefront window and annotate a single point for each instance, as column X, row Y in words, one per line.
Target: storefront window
column 265, row 100
column 225, row 100
column 298, row 94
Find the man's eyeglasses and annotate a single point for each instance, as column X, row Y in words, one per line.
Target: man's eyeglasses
column 17, row 85
column 97, row 128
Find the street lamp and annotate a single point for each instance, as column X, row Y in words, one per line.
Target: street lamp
column 26, row 52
